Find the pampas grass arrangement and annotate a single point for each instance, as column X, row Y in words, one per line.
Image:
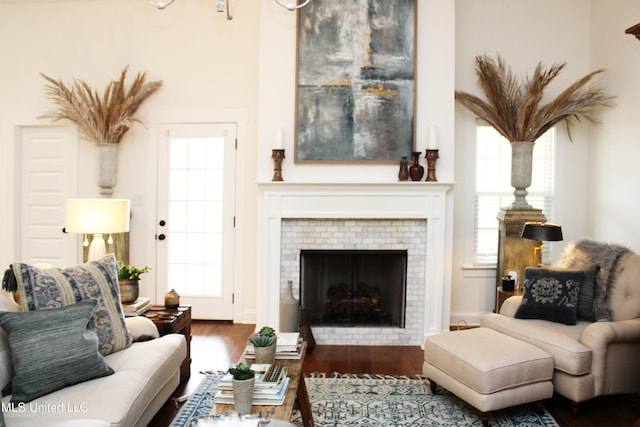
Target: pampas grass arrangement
column 513, row 105
column 102, row 118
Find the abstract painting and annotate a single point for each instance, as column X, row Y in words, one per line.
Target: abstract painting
column 356, row 81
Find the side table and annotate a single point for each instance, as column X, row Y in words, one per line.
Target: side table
column 501, row 296
column 174, row 321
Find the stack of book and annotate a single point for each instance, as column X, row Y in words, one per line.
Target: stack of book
column 289, row 346
column 270, row 387
column 137, row 307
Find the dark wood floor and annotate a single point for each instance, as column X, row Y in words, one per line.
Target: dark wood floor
column 216, row 345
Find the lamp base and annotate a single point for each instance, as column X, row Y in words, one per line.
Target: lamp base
column 97, row 249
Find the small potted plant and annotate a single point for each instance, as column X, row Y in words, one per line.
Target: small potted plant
column 243, row 381
column 264, row 345
column 129, row 281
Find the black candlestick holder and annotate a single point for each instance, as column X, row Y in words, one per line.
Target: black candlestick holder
column 277, row 156
column 432, row 156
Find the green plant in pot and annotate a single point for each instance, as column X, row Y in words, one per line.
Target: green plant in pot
column 264, row 345
column 243, row 382
column 129, row 281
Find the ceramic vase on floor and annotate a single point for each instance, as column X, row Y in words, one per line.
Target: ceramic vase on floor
column 243, row 395
column 289, row 311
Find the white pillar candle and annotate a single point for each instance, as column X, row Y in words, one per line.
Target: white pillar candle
column 279, row 140
column 432, row 143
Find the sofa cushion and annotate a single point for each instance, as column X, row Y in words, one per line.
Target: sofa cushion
column 141, row 371
column 550, row 295
column 559, row 340
column 587, row 254
column 57, row 287
column 51, row 349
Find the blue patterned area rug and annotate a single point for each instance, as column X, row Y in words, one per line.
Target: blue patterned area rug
column 345, row 400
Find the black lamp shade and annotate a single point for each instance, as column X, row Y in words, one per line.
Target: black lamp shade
column 543, row 231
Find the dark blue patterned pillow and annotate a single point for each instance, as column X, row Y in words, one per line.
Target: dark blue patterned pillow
column 58, row 287
column 550, row 295
column 52, row 349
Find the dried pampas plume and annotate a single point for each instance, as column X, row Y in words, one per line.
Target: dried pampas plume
column 513, row 106
column 103, row 119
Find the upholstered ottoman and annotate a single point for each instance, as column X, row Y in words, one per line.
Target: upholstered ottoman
column 487, row 369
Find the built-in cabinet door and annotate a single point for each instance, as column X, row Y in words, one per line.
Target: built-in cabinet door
column 195, row 216
column 45, row 179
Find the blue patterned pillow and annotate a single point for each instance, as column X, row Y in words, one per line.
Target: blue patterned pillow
column 56, row 287
column 550, row 295
column 52, row 349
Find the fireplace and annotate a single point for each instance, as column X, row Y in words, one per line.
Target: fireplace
column 354, row 287
column 411, row 217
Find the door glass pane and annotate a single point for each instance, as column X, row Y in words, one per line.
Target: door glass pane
column 195, row 215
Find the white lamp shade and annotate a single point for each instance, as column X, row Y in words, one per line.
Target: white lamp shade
column 93, row 216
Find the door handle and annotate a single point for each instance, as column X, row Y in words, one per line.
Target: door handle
column 161, row 237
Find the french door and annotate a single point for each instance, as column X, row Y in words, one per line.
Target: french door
column 195, row 216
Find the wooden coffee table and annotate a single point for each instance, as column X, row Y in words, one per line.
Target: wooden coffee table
column 296, row 395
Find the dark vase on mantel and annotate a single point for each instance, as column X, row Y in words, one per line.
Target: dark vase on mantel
column 403, row 173
column 416, row 171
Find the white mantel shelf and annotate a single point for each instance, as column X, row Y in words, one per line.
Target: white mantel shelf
column 357, row 200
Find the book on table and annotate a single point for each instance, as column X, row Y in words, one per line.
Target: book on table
column 137, row 307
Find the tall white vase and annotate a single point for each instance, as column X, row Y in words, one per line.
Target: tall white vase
column 521, row 164
column 243, row 395
column 289, row 311
column 106, row 167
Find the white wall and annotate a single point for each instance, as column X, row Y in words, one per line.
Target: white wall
column 206, row 63
column 523, row 33
column 615, row 146
column 434, row 80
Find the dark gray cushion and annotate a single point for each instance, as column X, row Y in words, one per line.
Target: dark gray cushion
column 550, row 295
column 58, row 287
column 587, row 295
column 52, row 349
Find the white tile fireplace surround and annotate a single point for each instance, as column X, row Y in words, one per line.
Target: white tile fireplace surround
column 405, row 215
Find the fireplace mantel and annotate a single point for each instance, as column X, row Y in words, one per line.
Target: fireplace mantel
column 360, row 200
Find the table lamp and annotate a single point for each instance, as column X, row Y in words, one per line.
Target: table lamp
column 97, row 217
column 541, row 231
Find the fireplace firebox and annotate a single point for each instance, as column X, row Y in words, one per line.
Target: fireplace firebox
column 354, row 287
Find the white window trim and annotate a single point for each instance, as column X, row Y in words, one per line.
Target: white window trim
column 469, row 268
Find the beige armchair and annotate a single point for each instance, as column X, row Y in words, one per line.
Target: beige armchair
column 590, row 358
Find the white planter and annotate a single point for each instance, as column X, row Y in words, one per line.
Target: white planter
column 521, row 164
column 106, row 167
column 243, row 395
column 266, row 354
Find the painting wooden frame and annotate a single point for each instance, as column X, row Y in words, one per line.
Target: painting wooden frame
column 355, row 94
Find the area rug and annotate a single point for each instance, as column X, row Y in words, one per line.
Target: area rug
column 343, row 400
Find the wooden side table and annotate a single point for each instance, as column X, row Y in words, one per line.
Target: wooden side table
column 174, row 321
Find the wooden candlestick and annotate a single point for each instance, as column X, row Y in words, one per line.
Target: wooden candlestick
column 277, row 156
column 432, row 157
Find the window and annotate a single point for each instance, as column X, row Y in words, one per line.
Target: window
column 494, row 191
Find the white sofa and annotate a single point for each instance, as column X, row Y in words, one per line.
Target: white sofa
column 590, row 358
column 146, row 374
